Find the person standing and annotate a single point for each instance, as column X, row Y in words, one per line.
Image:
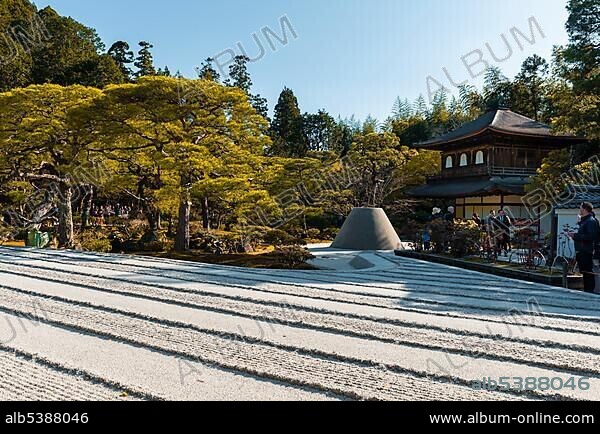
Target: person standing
column 491, row 218
column 585, row 241
column 504, row 225
column 436, row 214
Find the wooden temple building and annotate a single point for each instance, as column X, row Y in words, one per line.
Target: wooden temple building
column 487, row 163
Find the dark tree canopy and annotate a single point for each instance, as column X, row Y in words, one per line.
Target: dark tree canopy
column 123, row 56
column 44, row 47
column 287, row 132
column 144, row 61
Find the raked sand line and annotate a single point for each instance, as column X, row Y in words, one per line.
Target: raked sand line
column 329, row 375
column 324, row 276
column 427, row 358
column 278, row 312
column 306, row 317
column 175, row 297
column 433, row 301
column 419, row 362
column 511, row 318
column 27, row 377
column 151, row 372
column 397, row 331
column 548, row 296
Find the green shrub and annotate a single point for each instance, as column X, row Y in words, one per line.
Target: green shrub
column 160, row 245
column 330, row 233
column 464, row 239
column 313, row 234
column 94, row 241
column 277, row 238
column 291, row 257
column 217, row 245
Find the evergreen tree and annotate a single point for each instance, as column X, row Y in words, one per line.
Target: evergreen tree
column 240, row 77
column 401, row 109
column 71, row 54
column 529, row 88
column 208, row 72
column 286, row 128
column 420, row 107
column 577, row 99
column 496, row 90
column 319, row 130
column 144, row 61
column 166, row 72
column 123, row 56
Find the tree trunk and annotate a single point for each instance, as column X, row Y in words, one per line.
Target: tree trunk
column 182, row 239
column 86, row 208
column 65, row 217
column 205, row 214
column 153, row 216
column 170, row 227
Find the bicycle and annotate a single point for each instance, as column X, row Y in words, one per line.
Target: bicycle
column 487, row 251
column 569, row 260
column 531, row 259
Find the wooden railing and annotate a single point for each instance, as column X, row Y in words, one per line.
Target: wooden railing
column 484, row 171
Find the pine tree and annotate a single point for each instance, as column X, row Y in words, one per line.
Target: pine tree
column 123, row 56
column 145, row 62
column 420, row 107
column 240, row 77
column 208, row 72
column 286, row 128
column 166, row 72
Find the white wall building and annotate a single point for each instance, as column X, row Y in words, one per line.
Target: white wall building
column 567, row 216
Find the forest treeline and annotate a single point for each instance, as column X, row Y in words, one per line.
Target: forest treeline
column 82, row 122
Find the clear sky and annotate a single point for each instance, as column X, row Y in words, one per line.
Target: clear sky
column 349, row 57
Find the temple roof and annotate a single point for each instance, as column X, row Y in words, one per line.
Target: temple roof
column 467, row 188
column 577, row 194
column 500, row 121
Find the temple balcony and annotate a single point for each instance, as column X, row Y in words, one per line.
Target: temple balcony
column 482, row 170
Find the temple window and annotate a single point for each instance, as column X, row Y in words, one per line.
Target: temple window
column 449, row 162
column 480, row 158
column 464, row 160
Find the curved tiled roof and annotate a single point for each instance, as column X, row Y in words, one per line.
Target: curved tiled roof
column 467, row 187
column 579, row 194
column 501, row 121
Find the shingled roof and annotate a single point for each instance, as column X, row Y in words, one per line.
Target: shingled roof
column 501, row 121
column 579, row 194
column 471, row 187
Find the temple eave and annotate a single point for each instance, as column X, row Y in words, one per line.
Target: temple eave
column 471, row 188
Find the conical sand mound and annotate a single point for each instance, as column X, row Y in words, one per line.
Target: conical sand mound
column 367, row 229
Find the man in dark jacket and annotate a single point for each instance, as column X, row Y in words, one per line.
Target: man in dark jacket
column 504, row 223
column 597, row 246
column 585, row 242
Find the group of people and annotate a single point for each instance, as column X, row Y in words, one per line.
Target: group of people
column 587, row 245
column 498, row 229
column 437, row 214
column 102, row 214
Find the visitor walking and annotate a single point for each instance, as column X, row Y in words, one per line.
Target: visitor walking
column 585, row 241
column 427, row 240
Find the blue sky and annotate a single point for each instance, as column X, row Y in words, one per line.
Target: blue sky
column 349, row 57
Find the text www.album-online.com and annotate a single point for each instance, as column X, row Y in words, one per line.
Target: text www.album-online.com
column 537, row 418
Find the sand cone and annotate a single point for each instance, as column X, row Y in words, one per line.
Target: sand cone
column 367, row 229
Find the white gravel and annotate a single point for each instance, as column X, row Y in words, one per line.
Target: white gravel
column 415, row 331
